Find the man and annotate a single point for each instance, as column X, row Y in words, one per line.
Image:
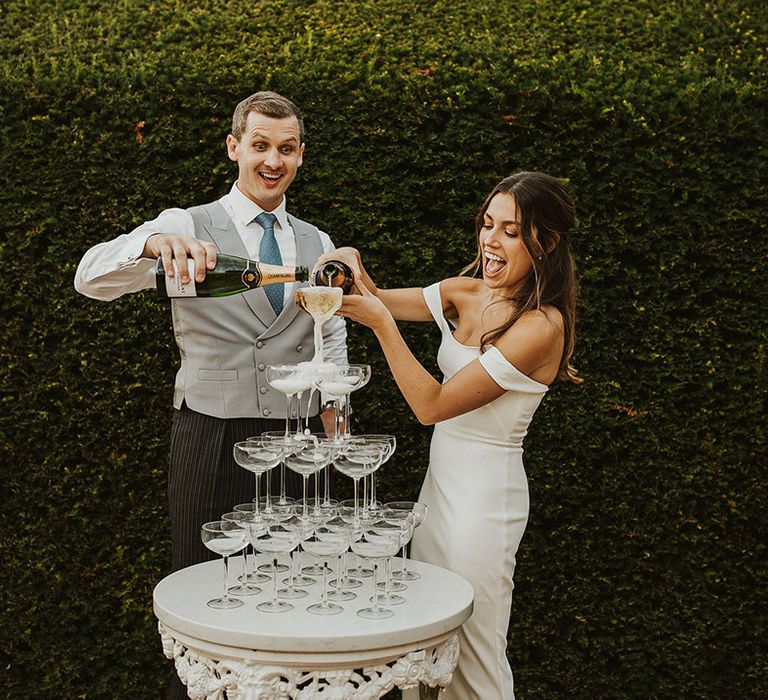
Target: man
column 221, row 393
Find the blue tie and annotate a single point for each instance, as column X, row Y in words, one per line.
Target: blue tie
column 269, row 253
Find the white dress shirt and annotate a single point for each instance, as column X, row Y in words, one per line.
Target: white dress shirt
column 113, row 268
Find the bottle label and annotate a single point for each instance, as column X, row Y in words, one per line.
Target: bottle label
column 174, row 287
column 251, row 277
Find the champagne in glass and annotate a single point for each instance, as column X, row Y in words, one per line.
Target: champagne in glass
column 320, row 303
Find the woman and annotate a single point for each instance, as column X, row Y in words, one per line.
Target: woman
column 506, row 337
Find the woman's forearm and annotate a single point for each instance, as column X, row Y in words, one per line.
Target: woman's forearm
column 419, row 388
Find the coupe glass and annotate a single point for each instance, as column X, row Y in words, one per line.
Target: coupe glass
column 402, row 528
column 291, row 380
column 358, row 459
column 365, row 371
column 224, row 537
column 309, row 458
column 343, row 583
column 404, row 520
column 276, row 540
column 339, row 381
column 247, row 522
column 391, row 443
column 295, row 582
column 347, row 515
column 388, row 443
column 320, row 303
column 376, row 548
column 275, row 516
column 325, row 544
column 257, row 456
column 419, row 511
column 256, row 524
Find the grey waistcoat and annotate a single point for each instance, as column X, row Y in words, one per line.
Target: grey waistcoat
column 226, row 343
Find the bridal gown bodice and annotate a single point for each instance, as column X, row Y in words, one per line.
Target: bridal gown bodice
column 476, row 493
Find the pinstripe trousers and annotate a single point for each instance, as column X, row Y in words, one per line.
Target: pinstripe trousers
column 204, row 481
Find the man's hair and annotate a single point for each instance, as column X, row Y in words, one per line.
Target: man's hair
column 270, row 104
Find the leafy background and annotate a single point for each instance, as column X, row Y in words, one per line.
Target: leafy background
column 643, row 570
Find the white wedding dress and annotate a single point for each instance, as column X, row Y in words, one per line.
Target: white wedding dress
column 476, row 492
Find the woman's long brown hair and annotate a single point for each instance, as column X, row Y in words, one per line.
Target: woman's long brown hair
column 547, row 219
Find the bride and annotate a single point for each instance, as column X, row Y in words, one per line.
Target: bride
column 506, row 336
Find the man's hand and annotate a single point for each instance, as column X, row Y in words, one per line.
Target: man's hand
column 328, row 417
column 171, row 246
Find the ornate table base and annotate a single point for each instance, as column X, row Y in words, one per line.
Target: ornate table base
column 208, row 671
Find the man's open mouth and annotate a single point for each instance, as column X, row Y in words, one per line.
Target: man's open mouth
column 271, row 178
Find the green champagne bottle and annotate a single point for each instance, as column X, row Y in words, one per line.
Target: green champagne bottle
column 335, row 273
column 232, row 275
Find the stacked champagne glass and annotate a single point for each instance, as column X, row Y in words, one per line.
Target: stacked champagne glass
column 351, row 543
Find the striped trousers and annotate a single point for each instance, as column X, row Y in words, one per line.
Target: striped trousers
column 204, row 481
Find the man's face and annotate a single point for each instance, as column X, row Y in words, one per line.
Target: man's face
column 268, row 154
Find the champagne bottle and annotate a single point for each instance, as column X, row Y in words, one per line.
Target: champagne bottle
column 232, row 275
column 335, row 273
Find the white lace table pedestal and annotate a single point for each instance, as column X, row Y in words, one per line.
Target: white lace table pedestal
column 246, row 654
column 208, row 677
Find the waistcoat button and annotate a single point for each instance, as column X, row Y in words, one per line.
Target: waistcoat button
column 262, row 366
column 299, row 348
column 266, row 411
column 263, row 390
column 259, row 345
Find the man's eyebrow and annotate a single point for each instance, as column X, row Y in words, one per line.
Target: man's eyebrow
column 259, row 135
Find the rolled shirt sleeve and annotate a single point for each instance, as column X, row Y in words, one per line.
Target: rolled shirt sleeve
column 113, row 268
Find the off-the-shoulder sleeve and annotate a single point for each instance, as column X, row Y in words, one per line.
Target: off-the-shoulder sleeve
column 435, row 304
column 506, row 375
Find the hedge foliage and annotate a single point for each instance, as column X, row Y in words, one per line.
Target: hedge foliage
column 642, row 574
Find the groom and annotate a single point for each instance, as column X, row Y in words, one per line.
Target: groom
column 221, row 394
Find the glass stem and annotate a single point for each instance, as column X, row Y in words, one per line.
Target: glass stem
column 304, row 489
column 268, row 501
column 298, row 413
column 356, row 516
column 373, row 490
column 404, row 566
column 274, row 579
column 347, row 431
column 325, row 585
column 288, row 400
column 375, row 600
column 226, row 576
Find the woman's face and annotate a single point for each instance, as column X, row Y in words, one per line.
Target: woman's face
column 506, row 262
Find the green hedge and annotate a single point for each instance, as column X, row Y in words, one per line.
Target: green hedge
column 640, row 574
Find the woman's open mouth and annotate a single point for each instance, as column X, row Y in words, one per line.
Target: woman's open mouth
column 493, row 264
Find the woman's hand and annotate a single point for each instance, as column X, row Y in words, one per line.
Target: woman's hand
column 365, row 308
column 350, row 256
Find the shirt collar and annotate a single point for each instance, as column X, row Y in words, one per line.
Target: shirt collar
column 245, row 210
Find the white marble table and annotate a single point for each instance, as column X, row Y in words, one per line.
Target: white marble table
column 253, row 655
